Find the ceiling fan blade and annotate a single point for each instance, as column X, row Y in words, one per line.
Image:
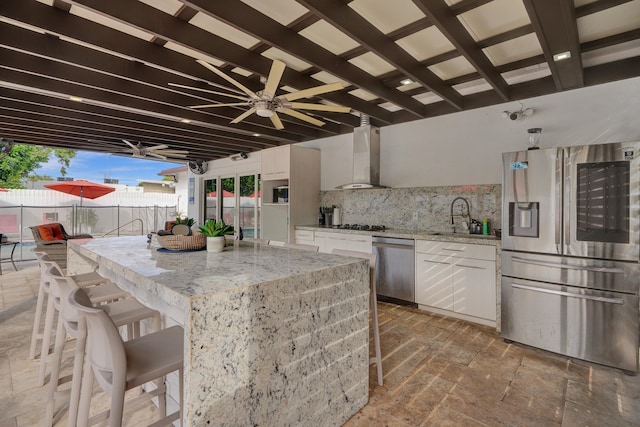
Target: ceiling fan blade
column 243, row 116
column 233, row 104
column 277, row 68
column 301, row 116
column 231, row 80
column 155, row 147
column 312, row 91
column 320, row 107
column 207, row 91
column 172, row 153
column 158, row 156
column 133, row 147
column 277, row 123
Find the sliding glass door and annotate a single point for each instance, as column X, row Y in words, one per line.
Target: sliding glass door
column 237, row 200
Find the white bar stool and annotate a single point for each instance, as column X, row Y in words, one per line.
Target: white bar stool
column 119, row 366
column 254, row 240
column 86, row 279
column 127, row 312
column 373, row 300
column 302, row 247
column 104, row 292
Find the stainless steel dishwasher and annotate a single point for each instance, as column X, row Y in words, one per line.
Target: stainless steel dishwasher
column 395, row 272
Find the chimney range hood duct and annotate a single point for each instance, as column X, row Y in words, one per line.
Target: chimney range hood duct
column 366, row 157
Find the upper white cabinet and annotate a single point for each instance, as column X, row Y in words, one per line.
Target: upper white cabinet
column 457, row 277
column 295, row 172
column 276, row 163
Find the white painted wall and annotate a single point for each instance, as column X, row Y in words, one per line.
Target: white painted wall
column 465, row 148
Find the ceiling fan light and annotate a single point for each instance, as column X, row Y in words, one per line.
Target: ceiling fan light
column 264, row 112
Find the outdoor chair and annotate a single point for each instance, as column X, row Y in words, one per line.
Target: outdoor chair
column 52, row 240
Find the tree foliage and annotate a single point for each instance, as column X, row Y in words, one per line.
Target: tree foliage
column 19, row 164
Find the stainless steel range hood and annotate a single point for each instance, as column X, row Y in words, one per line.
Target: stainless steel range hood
column 366, row 157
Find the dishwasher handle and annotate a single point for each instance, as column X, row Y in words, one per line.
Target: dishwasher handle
column 393, row 246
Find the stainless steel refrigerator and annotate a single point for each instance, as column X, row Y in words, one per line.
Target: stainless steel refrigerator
column 570, row 260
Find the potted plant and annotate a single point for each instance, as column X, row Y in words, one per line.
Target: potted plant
column 215, row 232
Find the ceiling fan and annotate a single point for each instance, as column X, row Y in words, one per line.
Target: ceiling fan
column 265, row 104
column 161, row 151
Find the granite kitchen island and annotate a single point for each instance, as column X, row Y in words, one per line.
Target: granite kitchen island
column 276, row 336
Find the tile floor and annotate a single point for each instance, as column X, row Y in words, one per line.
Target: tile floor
column 439, row 371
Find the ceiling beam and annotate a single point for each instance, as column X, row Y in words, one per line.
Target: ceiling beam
column 554, row 22
column 97, row 130
column 117, row 73
column 345, row 19
column 246, row 18
column 151, row 20
column 441, row 15
column 42, row 104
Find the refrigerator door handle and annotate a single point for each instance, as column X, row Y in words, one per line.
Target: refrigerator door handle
column 559, row 191
column 568, row 266
column 619, row 301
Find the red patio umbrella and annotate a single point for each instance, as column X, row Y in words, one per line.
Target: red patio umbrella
column 225, row 193
column 82, row 188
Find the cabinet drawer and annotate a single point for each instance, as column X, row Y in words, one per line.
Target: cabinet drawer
column 456, row 249
column 304, row 235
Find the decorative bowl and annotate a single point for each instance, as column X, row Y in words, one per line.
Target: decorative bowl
column 180, row 243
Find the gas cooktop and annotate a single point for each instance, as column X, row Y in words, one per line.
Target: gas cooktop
column 362, row 227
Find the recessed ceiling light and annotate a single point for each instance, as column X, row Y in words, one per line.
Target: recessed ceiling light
column 405, row 82
column 561, row 56
column 185, row 121
column 75, row 98
column 256, row 134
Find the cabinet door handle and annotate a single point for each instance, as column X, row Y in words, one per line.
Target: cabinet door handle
column 471, row 266
column 436, row 262
column 454, row 250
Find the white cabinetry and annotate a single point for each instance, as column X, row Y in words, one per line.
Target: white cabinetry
column 304, row 237
column 457, row 277
column 298, row 170
column 276, row 162
column 327, row 241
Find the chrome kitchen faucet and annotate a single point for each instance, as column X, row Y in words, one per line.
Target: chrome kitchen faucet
column 467, row 215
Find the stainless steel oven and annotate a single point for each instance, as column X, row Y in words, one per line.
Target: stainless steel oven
column 570, row 263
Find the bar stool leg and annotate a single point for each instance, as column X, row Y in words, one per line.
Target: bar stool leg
column 35, row 334
column 56, row 361
column 46, row 340
column 85, row 394
column 376, row 335
column 78, row 360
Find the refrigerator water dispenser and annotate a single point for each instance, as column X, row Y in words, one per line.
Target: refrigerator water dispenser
column 523, row 219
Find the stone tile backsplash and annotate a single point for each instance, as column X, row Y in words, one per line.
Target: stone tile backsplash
column 421, row 208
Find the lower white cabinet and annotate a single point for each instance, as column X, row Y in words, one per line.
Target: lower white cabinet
column 327, row 241
column 304, row 237
column 457, row 277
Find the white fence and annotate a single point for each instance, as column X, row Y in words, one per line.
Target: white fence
column 128, row 213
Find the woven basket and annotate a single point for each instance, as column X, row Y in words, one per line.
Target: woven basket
column 181, row 243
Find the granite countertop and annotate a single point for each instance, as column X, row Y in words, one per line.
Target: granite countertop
column 197, row 273
column 412, row 234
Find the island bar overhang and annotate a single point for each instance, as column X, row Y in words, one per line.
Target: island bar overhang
column 276, row 336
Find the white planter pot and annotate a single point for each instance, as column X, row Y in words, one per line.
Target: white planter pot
column 215, row 244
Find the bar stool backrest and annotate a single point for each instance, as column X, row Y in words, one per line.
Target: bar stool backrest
column 105, row 349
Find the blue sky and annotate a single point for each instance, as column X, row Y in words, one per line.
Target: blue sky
column 97, row 166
